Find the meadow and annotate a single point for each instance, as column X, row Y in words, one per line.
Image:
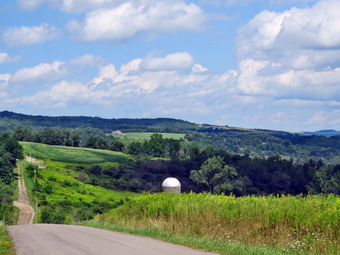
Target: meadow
column 306, row 225
column 57, row 190
column 72, row 154
column 146, row 136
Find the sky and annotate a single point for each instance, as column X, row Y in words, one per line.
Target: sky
column 268, row 64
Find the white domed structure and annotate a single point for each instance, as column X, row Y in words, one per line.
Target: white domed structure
column 171, row 185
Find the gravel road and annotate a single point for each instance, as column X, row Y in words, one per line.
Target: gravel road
column 26, row 211
column 51, row 239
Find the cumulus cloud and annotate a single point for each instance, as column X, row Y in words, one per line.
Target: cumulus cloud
column 40, row 73
column 50, row 72
column 23, row 36
column 292, row 54
column 5, row 58
column 271, row 34
column 174, row 61
column 128, row 20
column 4, row 78
column 78, row 6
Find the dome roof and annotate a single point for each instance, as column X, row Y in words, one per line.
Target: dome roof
column 171, row 182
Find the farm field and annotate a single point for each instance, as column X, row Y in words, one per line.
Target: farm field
column 302, row 225
column 72, row 154
column 146, row 135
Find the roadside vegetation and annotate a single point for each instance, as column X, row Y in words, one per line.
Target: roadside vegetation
column 205, row 244
column 307, row 225
column 10, row 151
column 6, row 245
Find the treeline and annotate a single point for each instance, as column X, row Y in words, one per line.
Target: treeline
column 266, row 143
column 218, row 171
column 156, row 146
column 10, row 151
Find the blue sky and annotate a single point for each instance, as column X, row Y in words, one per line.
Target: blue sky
column 271, row 64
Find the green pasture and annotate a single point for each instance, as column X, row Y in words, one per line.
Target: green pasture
column 146, row 135
column 72, row 154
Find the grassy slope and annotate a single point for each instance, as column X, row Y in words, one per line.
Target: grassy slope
column 65, row 186
column 71, row 154
column 60, row 179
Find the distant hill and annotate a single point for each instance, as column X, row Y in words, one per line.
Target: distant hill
column 327, row 133
column 301, row 147
column 11, row 119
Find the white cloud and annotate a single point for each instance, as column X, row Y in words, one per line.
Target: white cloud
column 29, row 4
column 4, row 78
column 174, row 61
column 57, row 70
column 292, row 54
column 23, row 36
column 128, row 20
column 5, row 58
column 198, row 68
column 61, row 94
column 40, row 73
column 292, row 32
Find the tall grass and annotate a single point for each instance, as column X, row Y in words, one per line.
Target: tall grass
column 72, row 154
column 6, row 244
column 303, row 224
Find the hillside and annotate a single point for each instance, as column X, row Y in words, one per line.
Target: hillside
column 263, row 143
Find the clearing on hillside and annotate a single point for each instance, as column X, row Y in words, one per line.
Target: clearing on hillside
column 146, row 135
column 72, row 154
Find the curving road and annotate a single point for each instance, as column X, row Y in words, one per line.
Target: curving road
column 26, row 211
column 50, row 239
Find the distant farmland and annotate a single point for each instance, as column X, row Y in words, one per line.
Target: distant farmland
column 72, row 154
column 146, row 135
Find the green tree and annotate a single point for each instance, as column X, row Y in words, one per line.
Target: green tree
column 215, row 175
column 156, row 145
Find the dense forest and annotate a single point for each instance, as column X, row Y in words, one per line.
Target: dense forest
column 259, row 143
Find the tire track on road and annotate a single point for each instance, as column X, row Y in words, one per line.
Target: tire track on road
column 26, row 211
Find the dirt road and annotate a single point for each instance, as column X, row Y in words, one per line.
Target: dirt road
column 50, row 239
column 26, row 211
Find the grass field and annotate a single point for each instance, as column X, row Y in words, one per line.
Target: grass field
column 72, row 154
column 307, row 225
column 145, row 136
column 6, row 245
column 57, row 187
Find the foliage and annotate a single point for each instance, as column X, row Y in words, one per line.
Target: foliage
column 10, row 151
column 214, row 175
column 305, row 224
